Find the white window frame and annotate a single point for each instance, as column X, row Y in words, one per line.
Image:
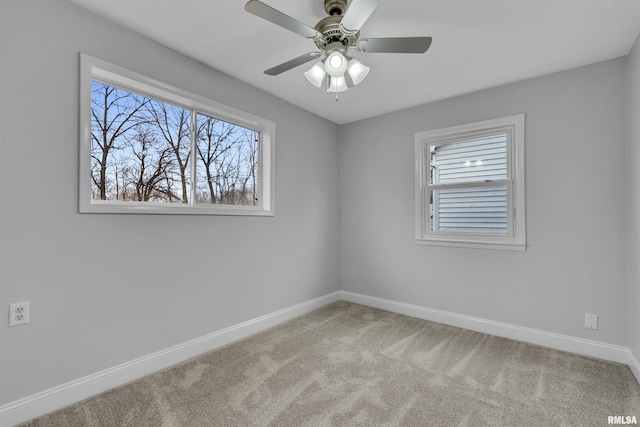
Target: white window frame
column 515, row 238
column 92, row 68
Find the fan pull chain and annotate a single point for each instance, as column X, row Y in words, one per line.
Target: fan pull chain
column 328, row 85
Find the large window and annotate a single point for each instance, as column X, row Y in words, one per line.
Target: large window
column 470, row 185
column 147, row 147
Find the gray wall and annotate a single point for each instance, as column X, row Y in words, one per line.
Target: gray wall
column 633, row 259
column 575, row 200
column 106, row 289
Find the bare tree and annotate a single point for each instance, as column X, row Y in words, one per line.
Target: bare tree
column 148, row 172
column 114, row 114
column 141, row 151
column 212, row 136
column 229, row 155
column 173, row 124
column 249, row 160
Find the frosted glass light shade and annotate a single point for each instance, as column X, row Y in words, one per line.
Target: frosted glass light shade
column 316, row 74
column 336, row 64
column 337, row 84
column 357, row 71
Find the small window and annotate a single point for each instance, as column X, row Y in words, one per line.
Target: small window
column 470, row 185
column 147, row 147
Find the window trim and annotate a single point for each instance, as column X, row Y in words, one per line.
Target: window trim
column 92, row 68
column 515, row 238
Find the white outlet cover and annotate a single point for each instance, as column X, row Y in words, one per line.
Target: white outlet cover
column 591, row 321
column 19, row 313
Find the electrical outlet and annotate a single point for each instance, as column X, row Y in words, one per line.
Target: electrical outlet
column 19, row 313
column 591, row 321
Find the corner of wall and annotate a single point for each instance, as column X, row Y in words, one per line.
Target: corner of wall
column 633, row 206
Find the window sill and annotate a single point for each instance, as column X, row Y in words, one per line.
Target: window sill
column 478, row 244
column 172, row 209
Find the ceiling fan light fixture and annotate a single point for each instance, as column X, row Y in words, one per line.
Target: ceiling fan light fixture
column 336, row 64
column 357, row 71
column 316, row 74
column 337, row 84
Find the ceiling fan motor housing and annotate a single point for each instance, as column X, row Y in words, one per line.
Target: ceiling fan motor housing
column 330, row 26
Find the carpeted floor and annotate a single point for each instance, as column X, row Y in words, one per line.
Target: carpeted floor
column 350, row 365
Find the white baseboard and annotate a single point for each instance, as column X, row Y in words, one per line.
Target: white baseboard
column 534, row 336
column 74, row 391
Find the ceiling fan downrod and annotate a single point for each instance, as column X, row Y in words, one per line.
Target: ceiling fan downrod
column 335, row 7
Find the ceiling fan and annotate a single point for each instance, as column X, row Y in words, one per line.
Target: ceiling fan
column 335, row 35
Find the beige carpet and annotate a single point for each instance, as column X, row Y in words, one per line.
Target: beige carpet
column 350, row 365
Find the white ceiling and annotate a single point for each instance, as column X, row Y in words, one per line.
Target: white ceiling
column 477, row 44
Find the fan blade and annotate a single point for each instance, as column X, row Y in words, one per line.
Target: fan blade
column 293, row 63
column 395, row 45
column 357, row 14
column 270, row 14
